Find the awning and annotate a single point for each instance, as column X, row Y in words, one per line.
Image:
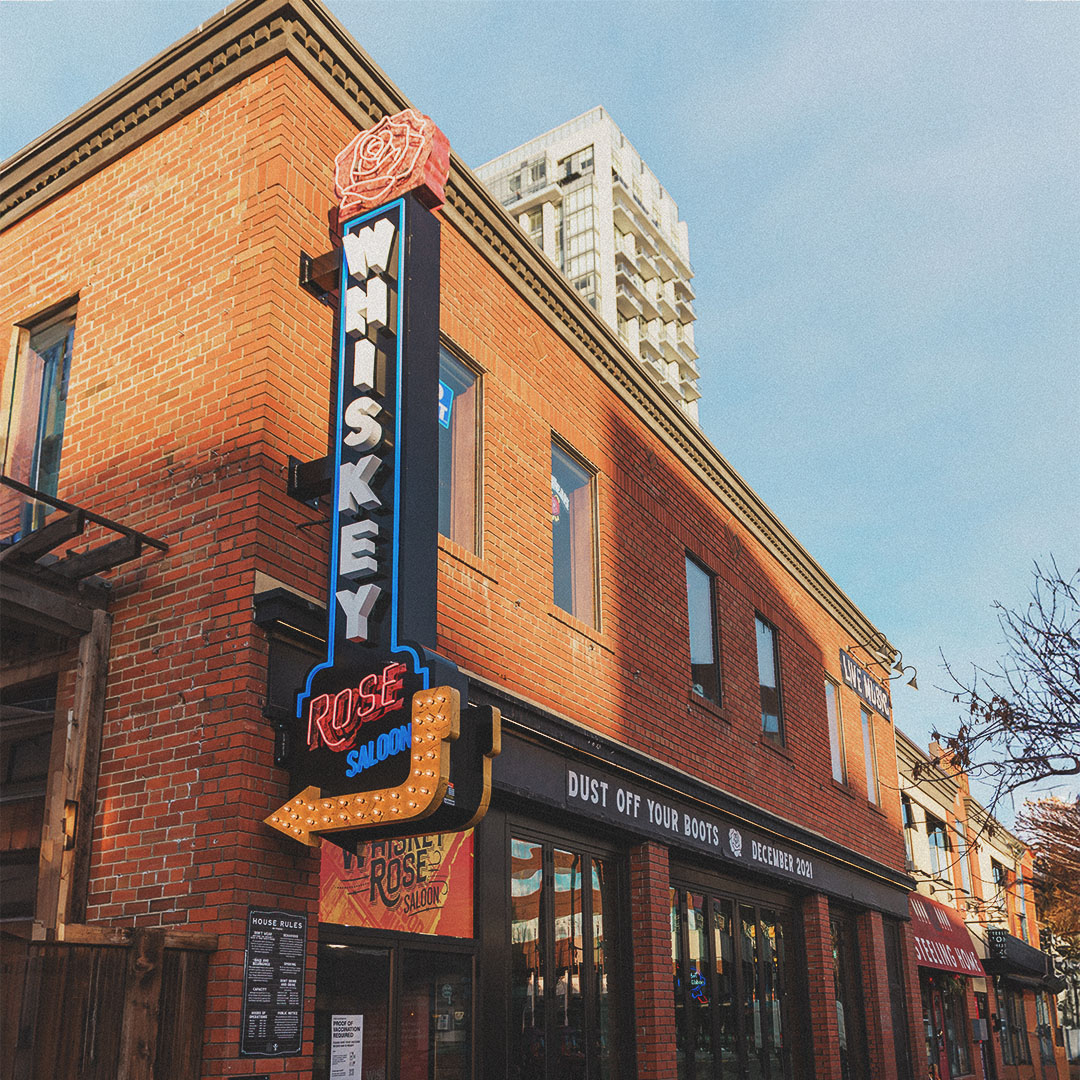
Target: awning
column 1020, row 962
column 942, row 940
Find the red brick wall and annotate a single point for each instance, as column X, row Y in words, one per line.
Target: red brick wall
column 630, row 678
column 654, row 1008
column 824, row 1029
column 875, row 981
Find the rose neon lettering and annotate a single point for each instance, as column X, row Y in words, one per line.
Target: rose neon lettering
column 335, row 719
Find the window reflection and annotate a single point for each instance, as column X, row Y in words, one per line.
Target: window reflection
column 527, row 1041
column 564, row 986
column 730, row 984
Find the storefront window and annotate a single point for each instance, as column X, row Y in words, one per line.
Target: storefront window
column 724, row 987
column 697, row 936
column 730, row 1011
column 956, row 1025
column 1045, row 1032
column 569, row 959
column 847, row 986
column 562, row 1024
column 1014, row 1035
column 677, row 984
column 527, row 1021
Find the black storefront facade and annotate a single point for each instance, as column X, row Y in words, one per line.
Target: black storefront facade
column 1023, row 977
column 546, row 984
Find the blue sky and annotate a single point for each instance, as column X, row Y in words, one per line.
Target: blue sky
column 884, row 220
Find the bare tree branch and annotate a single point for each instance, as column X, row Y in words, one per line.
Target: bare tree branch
column 1021, row 720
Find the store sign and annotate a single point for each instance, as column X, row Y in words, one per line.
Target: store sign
column 672, row 821
column 641, row 811
column 376, row 718
column 865, row 685
column 418, row 885
column 942, row 941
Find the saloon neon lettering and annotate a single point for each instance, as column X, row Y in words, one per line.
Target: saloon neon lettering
column 334, row 720
column 394, row 741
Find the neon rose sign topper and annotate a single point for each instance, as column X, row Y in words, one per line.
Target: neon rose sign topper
column 400, row 153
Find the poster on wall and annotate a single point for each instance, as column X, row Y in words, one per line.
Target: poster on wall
column 272, row 1020
column 420, row 885
column 346, row 1046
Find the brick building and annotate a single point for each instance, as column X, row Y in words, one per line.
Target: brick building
column 692, row 863
column 988, row 996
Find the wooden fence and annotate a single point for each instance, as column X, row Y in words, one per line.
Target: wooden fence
column 104, row 1004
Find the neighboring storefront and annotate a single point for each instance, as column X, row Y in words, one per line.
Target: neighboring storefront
column 987, row 1000
column 949, row 970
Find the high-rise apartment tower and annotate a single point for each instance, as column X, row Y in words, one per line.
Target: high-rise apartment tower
column 584, row 196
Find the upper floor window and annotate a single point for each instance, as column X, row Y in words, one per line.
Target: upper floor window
column 907, row 815
column 962, row 853
column 573, row 536
column 458, row 451
column 704, row 650
column 873, row 788
column 938, row 837
column 536, row 226
column 836, row 732
column 35, row 407
column 768, row 662
column 1000, row 877
column 1021, row 905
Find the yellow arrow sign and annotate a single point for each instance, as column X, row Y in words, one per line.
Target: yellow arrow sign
column 436, row 721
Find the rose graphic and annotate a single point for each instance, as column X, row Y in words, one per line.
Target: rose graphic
column 400, row 153
column 735, row 840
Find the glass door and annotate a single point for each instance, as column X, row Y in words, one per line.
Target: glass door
column 563, row 982
column 730, row 984
column 393, row 1011
column 352, row 1010
column 436, row 1016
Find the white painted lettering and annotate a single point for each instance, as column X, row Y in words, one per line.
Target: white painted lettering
column 366, row 431
column 357, row 549
column 364, row 365
column 365, row 305
column 354, row 485
column 357, row 607
column 368, row 249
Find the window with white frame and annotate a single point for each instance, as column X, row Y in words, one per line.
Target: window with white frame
column 962, row 855
column 573, row 535
column 873, row 785
column 937, row 835
column 36, row 408
column 836, row 732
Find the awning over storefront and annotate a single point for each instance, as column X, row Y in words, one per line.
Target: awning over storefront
column 1018, row 961
column 942, row 940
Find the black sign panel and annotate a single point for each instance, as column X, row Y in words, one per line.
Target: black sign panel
column 865, row 685
column 272, row 1021
column 658, row 814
